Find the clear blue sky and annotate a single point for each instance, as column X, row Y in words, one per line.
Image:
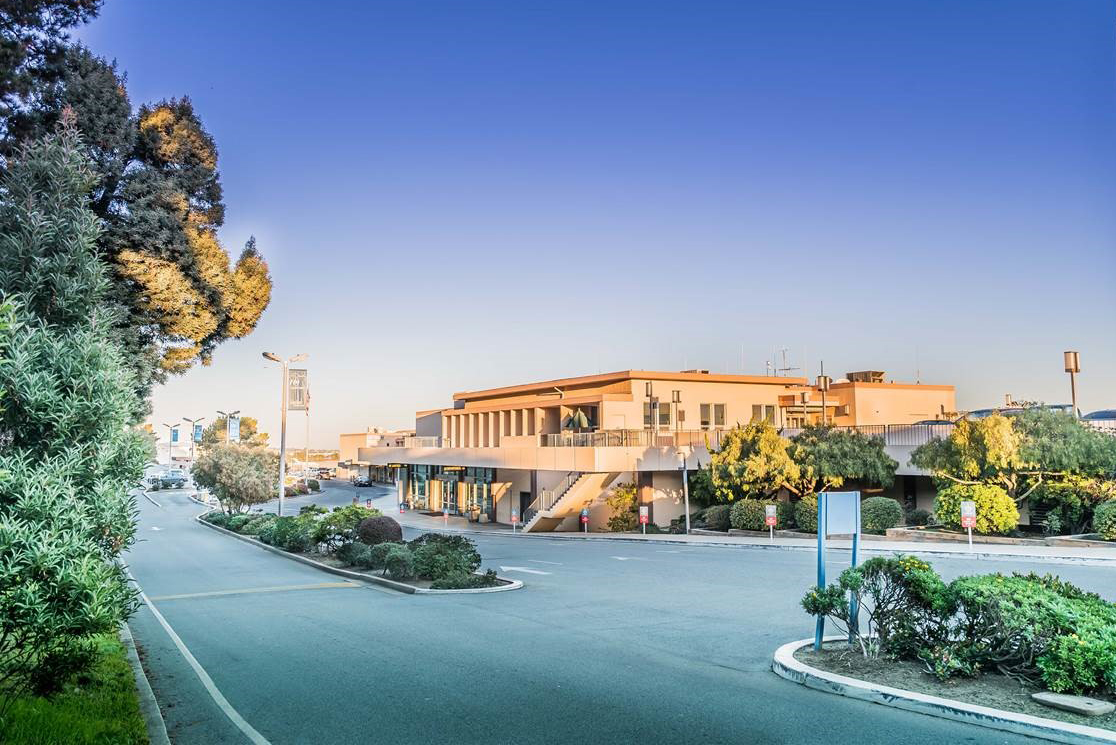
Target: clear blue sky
column 454, row 195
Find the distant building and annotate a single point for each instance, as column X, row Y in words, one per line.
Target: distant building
column 349, row 464
column 548, row 450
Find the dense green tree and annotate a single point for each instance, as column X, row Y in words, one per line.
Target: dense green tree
column 752, row 462
column 70, row 455
column 158, row 192
column 238, row 475
column 828, row 456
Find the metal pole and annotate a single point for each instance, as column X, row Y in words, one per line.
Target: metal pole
column 282, row 438
column 1073, row 392
column 686, row 491
column 819, row 626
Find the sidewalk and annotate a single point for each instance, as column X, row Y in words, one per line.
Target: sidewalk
column 1053, row 554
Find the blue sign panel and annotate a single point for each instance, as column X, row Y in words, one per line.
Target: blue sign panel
column 234, row 429
column 174, row 435
column 197, row 432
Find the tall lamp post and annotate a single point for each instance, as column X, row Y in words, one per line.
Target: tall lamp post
column 228, row 422
column 193, row 440
column 683, row 455
column 823, row 385
column 283, row 418
column 1073, row 366
column 170, row 441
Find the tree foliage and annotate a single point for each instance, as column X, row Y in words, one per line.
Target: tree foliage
column 827, row 456
column 158, row 191
column 1018, row 453
column 238, row 475
column 753, row 462
column 69, row 454
column 216, row 431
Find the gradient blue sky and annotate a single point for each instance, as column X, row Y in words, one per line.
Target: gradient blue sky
column 455, row 195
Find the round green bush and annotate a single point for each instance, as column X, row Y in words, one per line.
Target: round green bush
column 917, row 517
column 313, row 485
column 1104, row 520
column 877, row 514
column 996, row 512
column 437, row 559
column 748, row 514
column 379, row 529
column 806, row 513
column 717, row 517
column 400, row 563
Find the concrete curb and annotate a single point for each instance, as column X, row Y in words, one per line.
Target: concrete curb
column 786, row 666
column 869, row 549
column 149, row 707
column 514, row 584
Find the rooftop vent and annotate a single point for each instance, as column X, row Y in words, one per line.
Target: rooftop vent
column 866, row 376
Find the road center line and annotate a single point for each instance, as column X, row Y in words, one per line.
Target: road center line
column 277, row 588
column 218, row 698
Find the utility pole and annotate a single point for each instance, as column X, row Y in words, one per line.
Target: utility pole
column 283, row 403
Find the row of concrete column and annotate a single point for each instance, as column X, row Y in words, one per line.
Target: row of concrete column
column 485, row 429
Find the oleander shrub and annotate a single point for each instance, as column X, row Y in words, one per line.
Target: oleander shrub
column 877, row 514
column 437, row 559
column 399, row 563
column 378, row 554
column 461, row 581
column 339, row 527
column 717, row 517
column 917, row 517
column 1104, row 520
column 379, row 529
column 996, row 512
column 806, row 514
column 748, row 514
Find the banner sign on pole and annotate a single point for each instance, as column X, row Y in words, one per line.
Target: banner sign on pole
column 298, row 390
column 174, row 435
column 197, row 432
column 234, row 429
column 838, row 514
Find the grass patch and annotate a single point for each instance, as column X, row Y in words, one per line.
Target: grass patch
column 99, row 708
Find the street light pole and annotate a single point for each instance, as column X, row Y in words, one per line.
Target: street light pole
column 193, row 426
column 283, row 419
column 823, row 384
column 228, row 423
column 1073, row 366
column 170, row 430
column 683, row 454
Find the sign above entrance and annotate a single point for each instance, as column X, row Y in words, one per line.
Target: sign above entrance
column 453, row 468
column 395, row 465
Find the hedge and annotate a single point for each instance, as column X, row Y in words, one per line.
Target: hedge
column 748, row 514
column 1104, row 520
column 995, row 510
column 379, row 529
column 806, row 513
column 877, row 514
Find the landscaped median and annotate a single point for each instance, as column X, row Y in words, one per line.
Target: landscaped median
column 360, row 543
column 980, row 649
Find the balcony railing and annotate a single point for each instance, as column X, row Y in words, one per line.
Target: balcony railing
column 631, row 438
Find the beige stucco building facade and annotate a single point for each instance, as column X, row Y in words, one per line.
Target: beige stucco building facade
column 541, row 453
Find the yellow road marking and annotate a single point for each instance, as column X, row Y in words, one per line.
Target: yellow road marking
column 278, row 588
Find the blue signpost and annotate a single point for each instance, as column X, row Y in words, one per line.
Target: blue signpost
column 838, row 514
column 197, row 432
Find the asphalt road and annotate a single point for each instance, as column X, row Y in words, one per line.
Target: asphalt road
column 608, row 642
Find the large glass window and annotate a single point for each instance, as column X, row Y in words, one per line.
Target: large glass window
column 763, row 413
column 664, row 414
column 705, row 419
column 718, row 415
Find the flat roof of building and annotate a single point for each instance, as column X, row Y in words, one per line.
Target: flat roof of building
column 686, row 376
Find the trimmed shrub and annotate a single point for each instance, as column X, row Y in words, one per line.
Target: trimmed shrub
column 438, row 559
column 399, row 562
column 917, row 517
column 218, row 518
column 378, row 554
column 784, row 512
column 257, row 523
column 236, row 522
column 806, row 513
column 996, row 511
column 292, row 534
column 313, row 485
column 717, row 517
column 1104, row 520
column 379, row 529
column 339, row 527
column 877, row 514
column 466, row 581
column 748, row 514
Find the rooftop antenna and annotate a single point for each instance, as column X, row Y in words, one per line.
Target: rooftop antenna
column 918, row 368
column 784, row 369
column 767, row 364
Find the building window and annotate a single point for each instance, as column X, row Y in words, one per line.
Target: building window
column 705, row 420
column 763, row 413
column 647, row 415
column 664, row 414
column 718, row 415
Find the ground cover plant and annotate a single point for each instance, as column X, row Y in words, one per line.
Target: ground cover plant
column 1035, row 629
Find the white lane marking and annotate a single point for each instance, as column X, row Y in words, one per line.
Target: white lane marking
column 621, row 558
column 155, row 528
column 251, row 590
column 522, row 569
column 218, row 698
column 540, row 561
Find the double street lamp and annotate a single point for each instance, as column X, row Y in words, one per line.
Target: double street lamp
column 170, row 441
column 270, row 356
column 193, row 438
column 228, row 423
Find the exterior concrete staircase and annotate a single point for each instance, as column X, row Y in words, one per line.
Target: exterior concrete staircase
column 579, row 491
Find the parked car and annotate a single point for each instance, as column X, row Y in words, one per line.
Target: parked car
column 1100, row 415
column 325, row 473
column 172, row 479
